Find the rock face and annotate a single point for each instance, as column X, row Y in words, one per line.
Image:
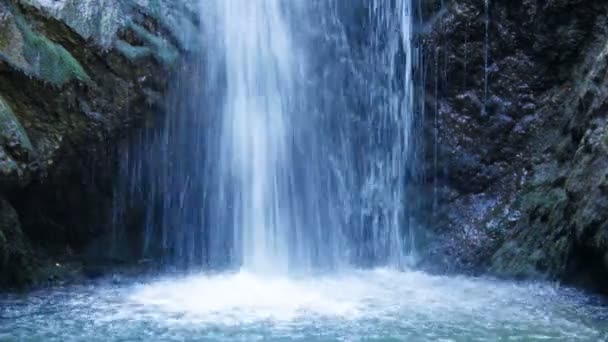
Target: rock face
column 520, row 106
column 15, row 251
column 74, row 75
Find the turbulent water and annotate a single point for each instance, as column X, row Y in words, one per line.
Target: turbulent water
column 378, row 305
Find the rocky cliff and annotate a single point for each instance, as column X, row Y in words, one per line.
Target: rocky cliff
column 517, row 92
column 74, row 76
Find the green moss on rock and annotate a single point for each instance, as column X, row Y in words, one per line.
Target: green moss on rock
column 163, row 51
column 49, row 60
column 4, row 37
column 12, row 132
column 46, row 48
column 132, row 53
column 516, row 261
column 27, row 50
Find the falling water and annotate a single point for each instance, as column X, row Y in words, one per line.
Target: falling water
column 289, row 143
column 257, row 127
column 486, row 56
column 390, row 116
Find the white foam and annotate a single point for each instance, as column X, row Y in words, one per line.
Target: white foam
column 413, row 297
column 245, row 297
column 357, row 305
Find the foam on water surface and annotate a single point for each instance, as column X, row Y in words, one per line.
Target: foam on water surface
column 350, row 306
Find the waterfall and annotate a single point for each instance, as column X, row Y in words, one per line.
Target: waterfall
column 257, row 172
column 393, row 163
column 288, row 144
column 486, row 56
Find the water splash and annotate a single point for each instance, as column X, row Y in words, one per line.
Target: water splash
column 357, row 305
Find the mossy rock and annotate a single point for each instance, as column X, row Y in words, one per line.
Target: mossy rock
column 27, row 50
column 99, row 21
column 49, row 60
column 5, row 33
column 164, row 52
column 132, row 53
column 513, row 260
column 92, row 19
column 51, row 122
column 12, row 134
column 16, row 150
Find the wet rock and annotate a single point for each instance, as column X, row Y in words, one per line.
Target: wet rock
column 15, row 148
column 538, row 148
column 75, row 76
column 16, row 261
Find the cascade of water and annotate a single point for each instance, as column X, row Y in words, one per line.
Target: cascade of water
column 256, row 130
column 486, row 56
column 392, row 163
column 290, row 144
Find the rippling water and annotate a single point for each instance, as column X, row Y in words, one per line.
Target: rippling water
column 379, row 305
